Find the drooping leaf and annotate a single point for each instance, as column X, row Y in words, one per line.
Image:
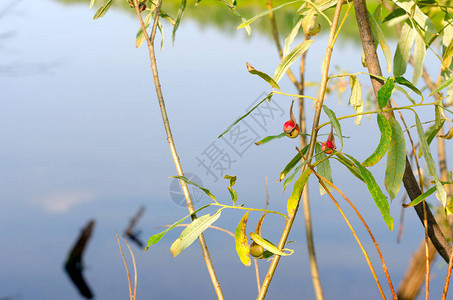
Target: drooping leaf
column 268, row 97
column 263, row 75
column 290, row 178
column 396, row 160
column 233, row 194
column 323, row 168
column 379, row 36
column 206, row 191
column 292, row 163
column 384, row 142
column 385, row 92
column 288, row 60
column 419, row 57
column 155, row 238
column 267, row 245
column 299, row 185
column 291, row 36
column 430, row 164
column 260, row 224
column 376, row 192
column 140, row 37
column 192, row 232
column 403, row 81
column 403, row 50
column 442, row 85
column 448, row 135
column 232, row 179
column 182, row 7
column 242, row 244
column 336, row 125
column 349, row 164
column 422, row 197
column 262, row 14
column 423, row 20
column 103, row 10
column 356, row 97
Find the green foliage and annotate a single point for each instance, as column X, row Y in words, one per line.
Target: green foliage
column 233, row 194
column 336, row 125
column 396, row 160
column 385, row 92
column 323, row 168
column 403, row 50
column 103, row 10
column 293, row 200
column 242, row 244
column 206, row 191
column 268, row 245
column 263, row 75
column 384, row 142
column 288, row 60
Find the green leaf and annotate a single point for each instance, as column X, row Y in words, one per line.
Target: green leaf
column 385, row 92
column 403, row 51
column 268, row 245
column 384, row 142
column 292, row 163
column 430, row 164
column 270, row 138
column 403, row 81
column 419, row 57
column 442, row 85
column 400, row 89
column 293, row 200
column 448, row 135
column 232, row 179
column 140, row 37
column 92, row 3
column 379, row 35
column 233, row 194
column 103, row 10
column 396, row 160
column 263, row 75
column 349, row 164
column 376, row 193
column 413, row 10
column 253, row 108
column 291, row 36
column 240, row 237
column 336, row 125
column 288, row 60
column 181, row 9
column 356, row 97
column 422, row 197
column 192, row 232
column 206, row 191
column 154, row 239
column 323, row 168
column 250, row 21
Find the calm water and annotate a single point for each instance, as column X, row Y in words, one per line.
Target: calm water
column 82, row 139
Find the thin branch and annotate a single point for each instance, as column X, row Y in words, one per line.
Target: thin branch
column 135, row 268
column 321, row 94
column 257, row 274
column 411, row 185
column 447, row 278
column 131, row 296
column 171, row 142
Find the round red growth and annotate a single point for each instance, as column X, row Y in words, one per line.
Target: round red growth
column 288, row 126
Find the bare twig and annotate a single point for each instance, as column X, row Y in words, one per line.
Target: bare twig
column 447, row 278
column 257, row 274
column 135, row 268
column 171, row 143
column 131, row 295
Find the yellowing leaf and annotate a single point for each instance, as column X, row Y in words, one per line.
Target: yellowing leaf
column 242, row 244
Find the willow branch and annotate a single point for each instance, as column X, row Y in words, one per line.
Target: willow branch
column 410, row 183
column 171, row 143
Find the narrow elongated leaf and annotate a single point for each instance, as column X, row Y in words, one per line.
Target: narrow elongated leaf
column 419, row 57
column 260, row 224
column 182, row 7
column 396, row 160
column 442, row 85
column 385, row 92
column 267, row 245
column 262, row 14
column 430, row 164
column 290, row 178
column 232, row 179
column 413, row 10
column 206, row 191
column 103, row 10
column 403, row 81
column 233, row 194
column 268, row 97
column 447, row 57
column 288, row 60
column 336, row 125
column 349, row 164
column 379, row 35
column 270, row 138
column 154, row 239
column 384, row 142
column 140, row 37
column 403, row 51
column 292, row 163
column 293, row 200
column 376, row 192
column 291, row 36
column 242, row 243
column 448, row 135
column 192, row 232
column 356, row 97
column 432, row 131
column 422, row 197
column 263, row 75
column 323, row 168
column 92, row 3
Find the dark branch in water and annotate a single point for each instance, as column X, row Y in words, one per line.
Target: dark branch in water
column 130, row 233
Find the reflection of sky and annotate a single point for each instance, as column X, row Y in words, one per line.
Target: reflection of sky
column 85, row 140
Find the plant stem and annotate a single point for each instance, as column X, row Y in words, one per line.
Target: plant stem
column 171, row 143
column 411, row 185
column 322, row 90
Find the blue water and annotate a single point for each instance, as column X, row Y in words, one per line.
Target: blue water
column 82, row 139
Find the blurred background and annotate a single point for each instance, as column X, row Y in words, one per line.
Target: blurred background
column 82, row 139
